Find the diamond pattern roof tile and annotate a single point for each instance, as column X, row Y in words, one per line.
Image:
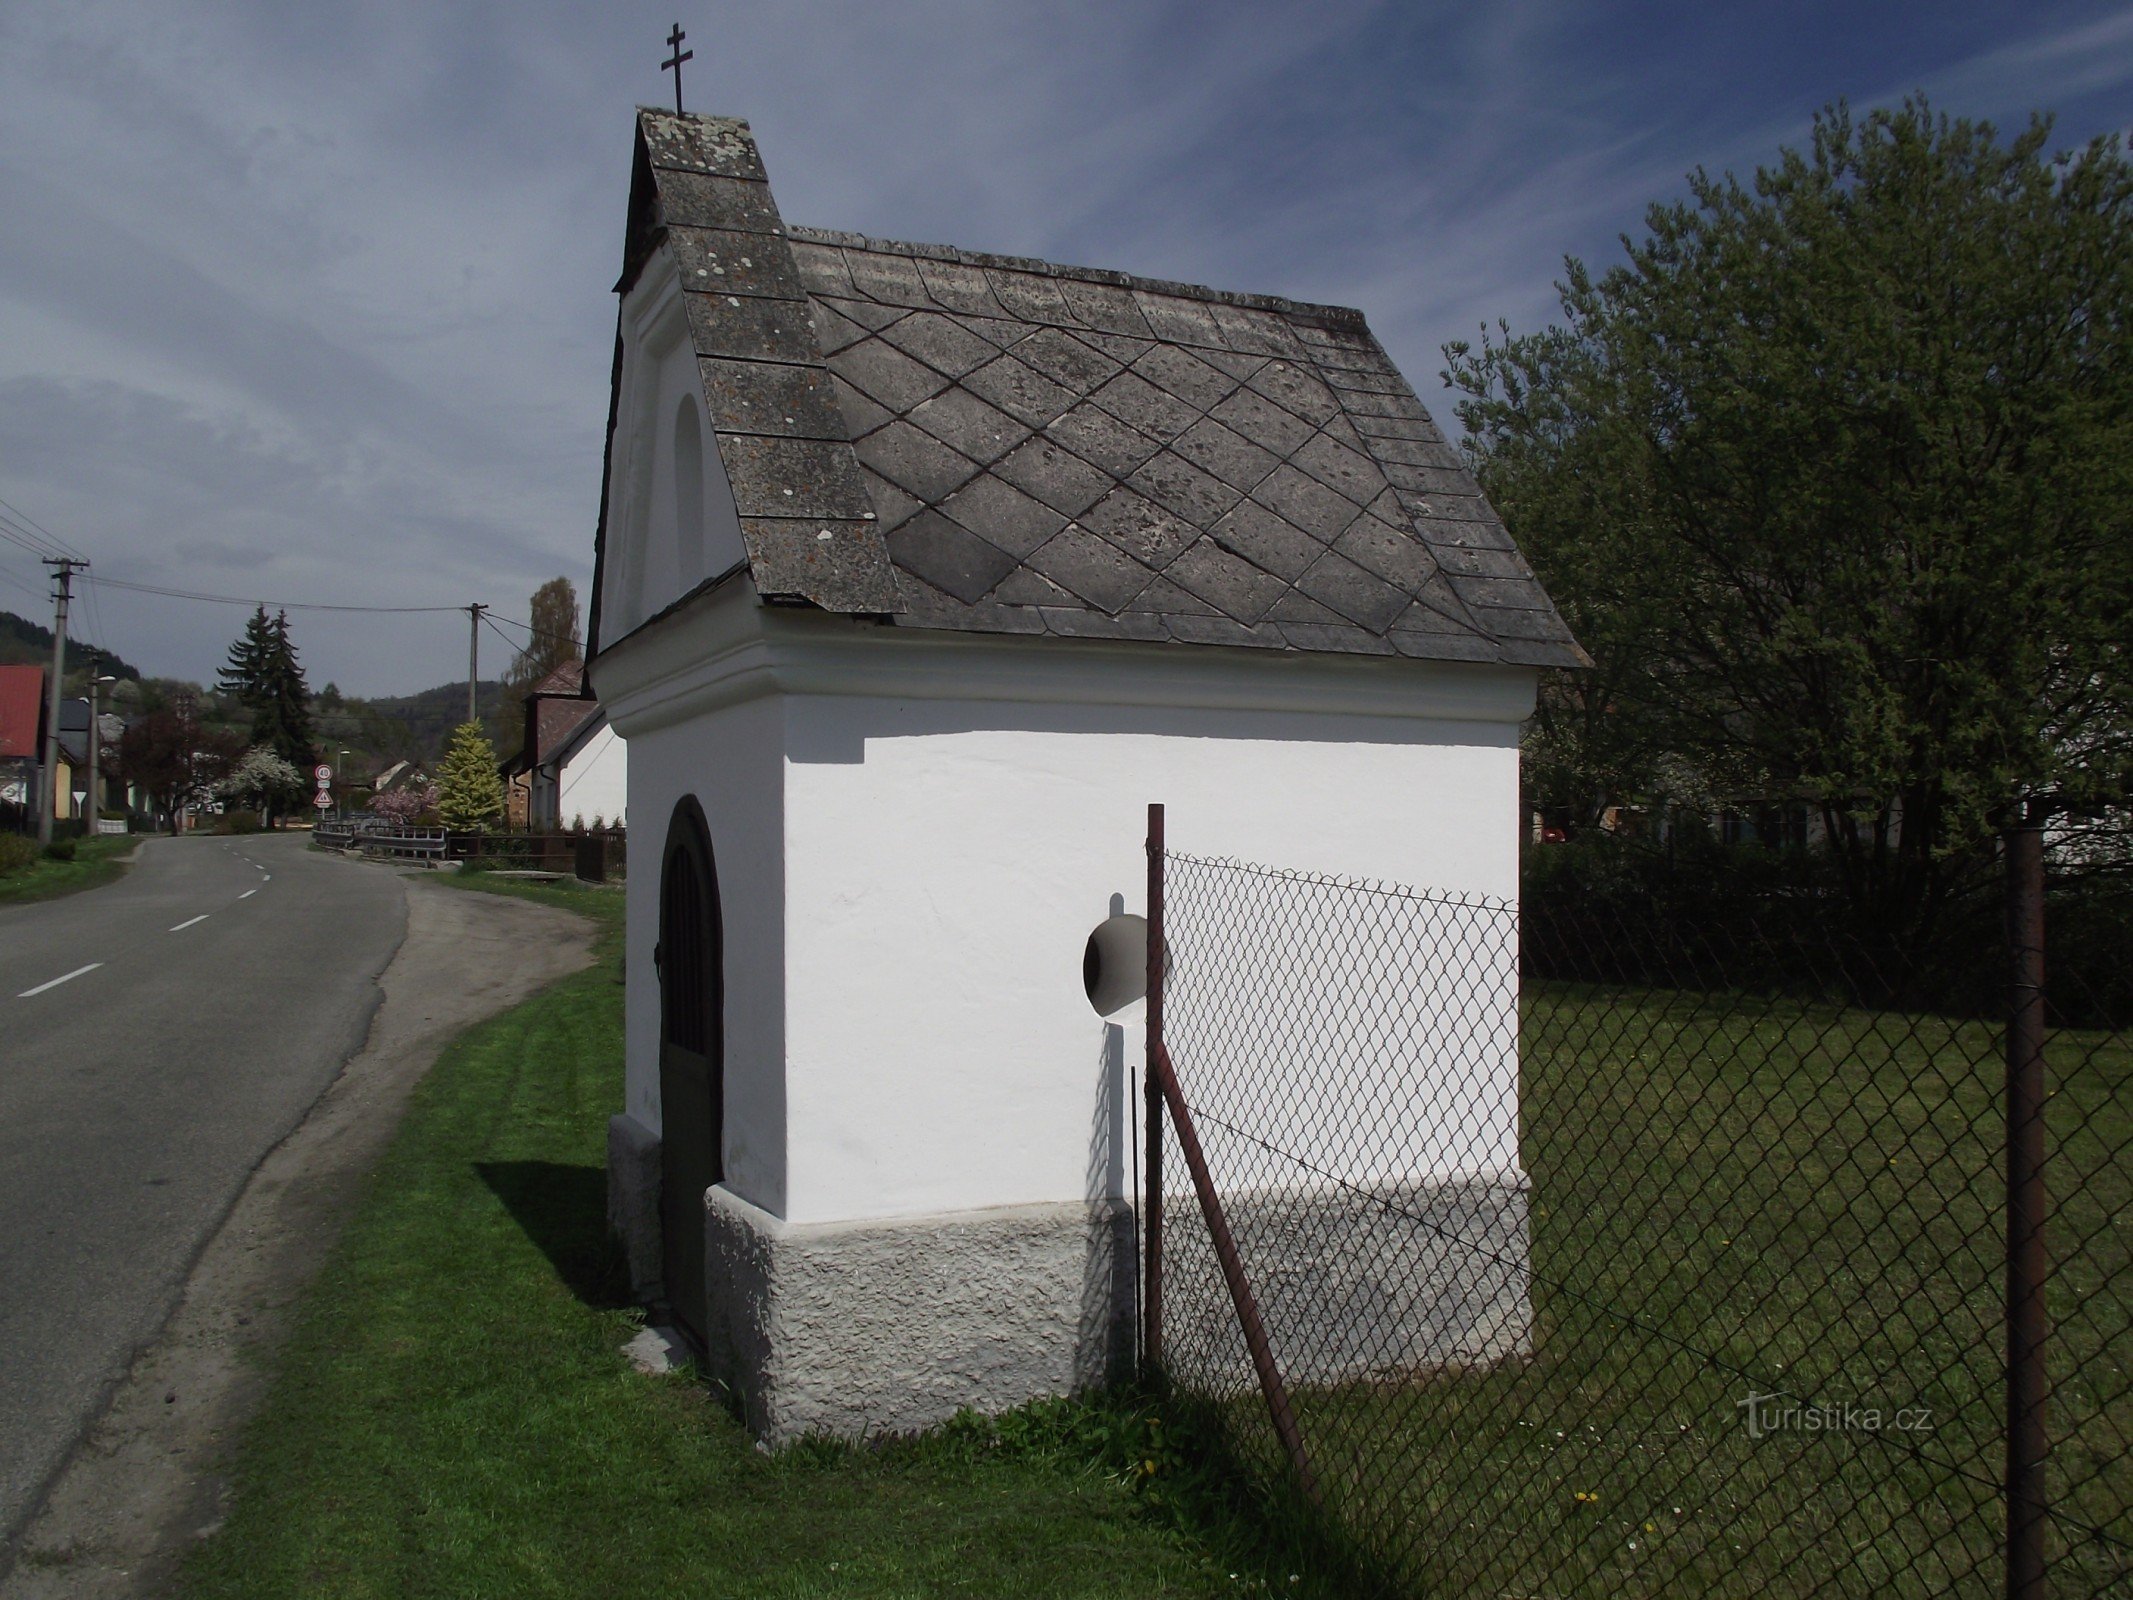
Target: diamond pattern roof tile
column 1091, row 568
column 1062, row 450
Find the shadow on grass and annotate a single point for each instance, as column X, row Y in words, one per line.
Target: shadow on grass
column 563, row 1210
column 1251, row 1509
column 1180, row 1454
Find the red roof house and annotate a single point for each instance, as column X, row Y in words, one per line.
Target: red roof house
column 21, row 713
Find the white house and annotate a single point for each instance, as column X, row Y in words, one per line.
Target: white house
column 592, row 775
column 570, row 762
column 920, row 574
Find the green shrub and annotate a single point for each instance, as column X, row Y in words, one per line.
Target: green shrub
column 1604, row 908
column 60, row 850
column 16, row 852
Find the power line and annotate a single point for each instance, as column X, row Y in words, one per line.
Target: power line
column 95, row 608
column 516, row 647
column 24, row 516
column 487, row 616
column 244, row 600
column 493, row 628
column 541, row 633
column 7, row 575
column 14, row 579
column 15, row 534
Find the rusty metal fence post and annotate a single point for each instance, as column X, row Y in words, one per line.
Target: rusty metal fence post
column 1152, row 1114
column 1164, row 1092
column 2027, row 1206
column 1271, row 1387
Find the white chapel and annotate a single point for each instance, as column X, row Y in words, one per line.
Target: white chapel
column 920, row 574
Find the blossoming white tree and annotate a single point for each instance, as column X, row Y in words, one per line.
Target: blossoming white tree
column 259, row 779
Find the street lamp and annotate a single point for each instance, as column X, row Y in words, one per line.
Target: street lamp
column 337, row 812
column 96, row 742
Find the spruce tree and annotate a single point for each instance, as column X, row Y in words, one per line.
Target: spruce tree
column 244, row 676
column 470, row 795
column 265, row 677
column 282, row 721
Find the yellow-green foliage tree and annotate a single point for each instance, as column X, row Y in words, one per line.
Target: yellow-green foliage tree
column 469, row 793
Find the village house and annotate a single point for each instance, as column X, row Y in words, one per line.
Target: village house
column 74, row 765
column 23, row 713
column 570, row 767
column 920, row 573
column 22, row 710
column 400, row 775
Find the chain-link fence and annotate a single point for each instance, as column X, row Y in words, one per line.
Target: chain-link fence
column 1587, row 1267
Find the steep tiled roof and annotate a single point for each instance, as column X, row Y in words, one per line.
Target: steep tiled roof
column 569, row 678
column 556, row 708
column 1004, row 445
column 558, row 720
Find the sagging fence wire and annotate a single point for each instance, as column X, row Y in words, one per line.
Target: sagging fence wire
column 1696, row 1282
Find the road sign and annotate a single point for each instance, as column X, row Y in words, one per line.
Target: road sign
column 323, row 773
column 322, row 801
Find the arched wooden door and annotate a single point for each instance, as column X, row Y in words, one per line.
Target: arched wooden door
column 692, row 1064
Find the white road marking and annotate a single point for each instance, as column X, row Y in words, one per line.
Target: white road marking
column 189, row 921
column 248, row 894
column 56, row 982
column 267, row 877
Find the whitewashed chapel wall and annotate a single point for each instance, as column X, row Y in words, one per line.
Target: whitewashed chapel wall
column 729, row 759
column 946, row 862
column 671, row 521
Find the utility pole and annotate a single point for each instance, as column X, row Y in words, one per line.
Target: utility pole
column 97, row 678
column 63, row 570
column 181, row 806
column 473, row 654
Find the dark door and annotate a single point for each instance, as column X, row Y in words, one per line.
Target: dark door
column 692, row 1088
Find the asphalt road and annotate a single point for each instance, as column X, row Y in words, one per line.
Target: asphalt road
column 157, row 1038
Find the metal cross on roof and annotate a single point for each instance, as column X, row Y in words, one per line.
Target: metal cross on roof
column 673, row 63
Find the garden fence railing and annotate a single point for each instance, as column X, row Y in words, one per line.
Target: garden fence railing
column 1584, row 1266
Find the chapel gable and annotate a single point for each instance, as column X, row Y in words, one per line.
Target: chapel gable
column 941, row 439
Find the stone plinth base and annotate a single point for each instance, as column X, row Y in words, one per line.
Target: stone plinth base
column 861, row 1329
column 1354, row 1285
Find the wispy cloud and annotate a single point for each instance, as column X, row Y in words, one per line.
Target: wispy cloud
column 317, row 300
column 2050, row 68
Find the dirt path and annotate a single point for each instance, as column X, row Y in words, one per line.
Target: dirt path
column 146, row 1482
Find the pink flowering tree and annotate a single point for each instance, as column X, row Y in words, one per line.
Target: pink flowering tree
column 403, row 806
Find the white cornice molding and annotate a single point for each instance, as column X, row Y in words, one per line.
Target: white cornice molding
column 707, row 653
column 724, row 647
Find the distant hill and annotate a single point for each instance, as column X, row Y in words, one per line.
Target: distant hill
column 23, row 641
column 376, row 732
column 423, row 722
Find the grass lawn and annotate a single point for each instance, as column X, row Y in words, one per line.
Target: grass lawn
column 1733, row 1197
column 1727, row 1198
column 95, row 862
column 453, row 1416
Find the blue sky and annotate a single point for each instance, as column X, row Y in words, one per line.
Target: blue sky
column 312, row 302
